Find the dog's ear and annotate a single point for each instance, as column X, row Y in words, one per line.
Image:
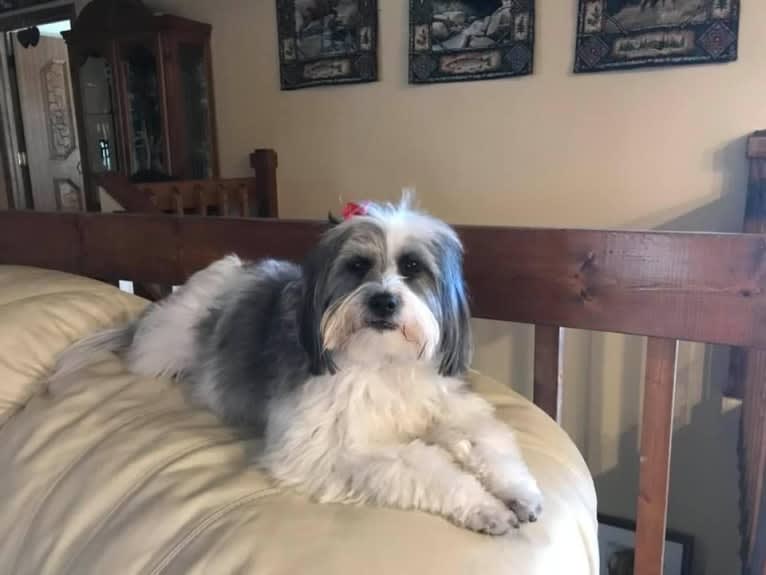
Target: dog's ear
column 456, row 345
column 333, row 220
column 315, row 271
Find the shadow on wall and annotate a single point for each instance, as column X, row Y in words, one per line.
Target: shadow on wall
column 603, row 385
column 704, row 496
column 704, row 483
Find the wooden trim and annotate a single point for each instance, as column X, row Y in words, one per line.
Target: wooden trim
column 654, row 467
column 697, row 287
column 547, row 376
column 37, row 15
column 756, row 145
column 748, row 381
column 122, row 190
column 212, row 114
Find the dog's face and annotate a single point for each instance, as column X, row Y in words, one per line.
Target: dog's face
column 386, row 287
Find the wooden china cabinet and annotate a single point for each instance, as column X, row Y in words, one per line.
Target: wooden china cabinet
column 144, row 92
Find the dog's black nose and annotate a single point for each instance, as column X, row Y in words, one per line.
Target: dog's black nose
column 383, row 304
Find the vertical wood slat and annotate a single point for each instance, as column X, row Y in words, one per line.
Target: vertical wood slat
column 753, row 462
column 654, row 469
column 547, row 375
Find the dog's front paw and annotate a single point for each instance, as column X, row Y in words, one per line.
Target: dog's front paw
column 525, row 500
column 492, row 518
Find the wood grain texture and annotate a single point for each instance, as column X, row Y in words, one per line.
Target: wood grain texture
column 748, row 381
column 547, row 376
column 756, row 145
column 654, row 467
column 697, row 287
column 753, row 463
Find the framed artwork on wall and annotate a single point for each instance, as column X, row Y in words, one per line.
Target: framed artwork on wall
column 620, row 34
column 616, row 542
column 326, row 42
column 458, row 40
column 11, row 5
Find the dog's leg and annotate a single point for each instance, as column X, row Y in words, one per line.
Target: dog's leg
column 407, row 476
column 487, row 448
column 419, row 476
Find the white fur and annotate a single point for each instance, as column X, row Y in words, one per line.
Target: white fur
column 400, row 435
column 417, row 337
column 385, row 428
column 164, row 341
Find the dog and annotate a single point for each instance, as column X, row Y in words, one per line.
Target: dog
column 350, row 365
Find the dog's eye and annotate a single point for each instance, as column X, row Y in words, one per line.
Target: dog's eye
column 359, row 266
column 409, row 267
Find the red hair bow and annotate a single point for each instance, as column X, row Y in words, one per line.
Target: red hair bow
column 351, row 209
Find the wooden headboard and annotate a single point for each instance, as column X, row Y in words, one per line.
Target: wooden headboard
column 666, row 286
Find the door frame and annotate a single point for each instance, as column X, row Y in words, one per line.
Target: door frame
column 13, row 147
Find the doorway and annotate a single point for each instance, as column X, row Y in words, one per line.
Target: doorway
column 41, row 144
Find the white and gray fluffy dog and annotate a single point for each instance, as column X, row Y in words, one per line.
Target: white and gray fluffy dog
column 350, row 364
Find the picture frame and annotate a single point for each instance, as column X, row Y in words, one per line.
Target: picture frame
column 616, row 538
column 68, row 195
column 626, row 34
column 325, row 43
column 460, row 40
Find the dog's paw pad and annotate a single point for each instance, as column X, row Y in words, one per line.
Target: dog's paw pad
column 528, row 511
column 491, row 519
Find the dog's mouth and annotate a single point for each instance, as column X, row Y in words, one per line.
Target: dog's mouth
column 382, row 325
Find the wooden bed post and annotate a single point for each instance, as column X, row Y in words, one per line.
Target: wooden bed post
column 264, row 162
column 654, row 467
column 748, row 382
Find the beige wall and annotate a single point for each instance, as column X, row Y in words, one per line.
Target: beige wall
column 662, row 148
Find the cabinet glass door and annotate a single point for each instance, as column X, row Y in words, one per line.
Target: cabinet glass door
column 196, row 104
column 96, row 88
column 146, row 141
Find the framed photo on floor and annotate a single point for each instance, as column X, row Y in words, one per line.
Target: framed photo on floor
column 616, row 541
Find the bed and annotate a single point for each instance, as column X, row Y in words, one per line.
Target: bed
column 120, row 471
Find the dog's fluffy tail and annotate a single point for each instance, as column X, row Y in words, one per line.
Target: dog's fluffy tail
column 81, row 354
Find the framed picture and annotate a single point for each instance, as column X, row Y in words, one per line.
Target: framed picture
column 457, row 40
column 620, row 34
column 68, row 195
column 326, row 42
column 616, row 541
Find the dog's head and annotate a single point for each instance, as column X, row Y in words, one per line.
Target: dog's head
column 383, row 286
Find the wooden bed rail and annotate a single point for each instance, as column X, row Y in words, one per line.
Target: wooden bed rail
column 667, row 286
column 253, row 196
